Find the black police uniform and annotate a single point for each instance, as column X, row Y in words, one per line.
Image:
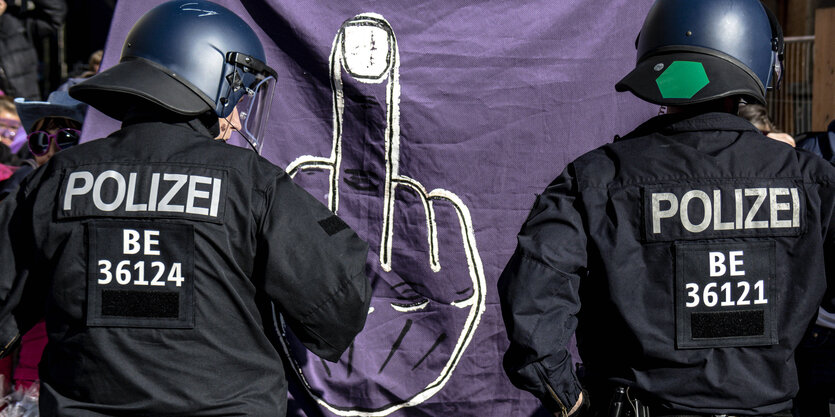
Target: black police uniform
column 696, row 247
column 149, row 250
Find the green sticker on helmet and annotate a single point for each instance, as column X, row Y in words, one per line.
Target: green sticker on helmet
column 682, row 79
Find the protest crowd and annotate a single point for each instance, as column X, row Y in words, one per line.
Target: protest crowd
column 169, row 266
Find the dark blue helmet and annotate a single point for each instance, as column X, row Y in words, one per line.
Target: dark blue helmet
column 189, row 58
column 695, row 51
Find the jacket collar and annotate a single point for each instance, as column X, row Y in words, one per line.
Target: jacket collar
column 678, row 123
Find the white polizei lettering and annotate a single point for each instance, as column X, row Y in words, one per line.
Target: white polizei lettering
column 685, row 213
column 130, row 239
column 215, row 197
column 150, row 242
column 738, row 205
column 164, row 203
column 717, row 264
column 795, row 208
column 778, row 207
column 73, row 190
column 199, row 194
column 761, row 194
column 130, row 205
column 658, row 214
column 775, row 204
column 120, row 190
column 194, row 193
column 718, row 224
column 733, row 262
column 152, row 195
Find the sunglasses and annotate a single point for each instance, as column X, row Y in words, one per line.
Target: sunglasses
column 39, row 140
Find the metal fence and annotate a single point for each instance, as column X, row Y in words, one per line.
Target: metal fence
column 790, row 107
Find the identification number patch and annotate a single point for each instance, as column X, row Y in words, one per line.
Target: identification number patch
column 140, row 274
column 725, row 294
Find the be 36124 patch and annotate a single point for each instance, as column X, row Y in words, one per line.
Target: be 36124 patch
column 725, row 295
column 140, row 274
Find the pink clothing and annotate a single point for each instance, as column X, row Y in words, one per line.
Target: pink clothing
column 6, row 373
column 6, row 171
column 31, row 348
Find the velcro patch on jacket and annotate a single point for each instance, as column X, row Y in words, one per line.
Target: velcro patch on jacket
column 723, row 209
column 333, row 225
column 140, row 274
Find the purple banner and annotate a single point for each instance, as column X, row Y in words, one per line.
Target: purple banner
column 429, row 126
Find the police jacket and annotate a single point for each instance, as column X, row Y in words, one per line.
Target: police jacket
column 154, row 254
column 19, row 26
column 690, row 256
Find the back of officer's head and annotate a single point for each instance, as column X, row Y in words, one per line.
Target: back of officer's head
column 698, row 53
column 176, row 60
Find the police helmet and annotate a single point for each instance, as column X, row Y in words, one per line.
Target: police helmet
column 189, row 58
column 694, row 51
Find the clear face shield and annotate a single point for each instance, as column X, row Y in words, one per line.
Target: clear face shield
column 778, row 51
column 254, row 111
column 777, row 67
column 254, row 82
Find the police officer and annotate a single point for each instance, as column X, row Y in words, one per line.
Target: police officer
column 158, row 254
column 691, row 254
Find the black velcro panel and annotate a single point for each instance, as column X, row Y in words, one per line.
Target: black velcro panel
column 725, row 294
column 333, row 225
column 140, row 274
column 145, row 304
column 727, row 324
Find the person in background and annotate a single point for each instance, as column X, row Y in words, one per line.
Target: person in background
column 21, row 22
column 815, row 356
column 689, row 255
column 9, row 127
column 51, row 126
column 820, row 143
column 815, row 359
column 9, row 120
column 757, row 114
column 93, row 66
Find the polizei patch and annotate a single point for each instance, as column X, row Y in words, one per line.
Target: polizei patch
column 132, row 190
column 723, row 210
column 724, row 294
column 140, row 274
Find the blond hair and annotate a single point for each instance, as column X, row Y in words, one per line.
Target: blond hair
column 7, row 105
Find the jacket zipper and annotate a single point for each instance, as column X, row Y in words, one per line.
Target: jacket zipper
column 563, row 409
column 9, row 345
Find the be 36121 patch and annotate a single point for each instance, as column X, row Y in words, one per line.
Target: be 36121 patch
column 725, row 295
column 140, row 274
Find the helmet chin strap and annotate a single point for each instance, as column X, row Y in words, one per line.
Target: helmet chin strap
column 251, row 143
column 225, row 125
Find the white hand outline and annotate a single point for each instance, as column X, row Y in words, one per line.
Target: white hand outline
column 375, row 24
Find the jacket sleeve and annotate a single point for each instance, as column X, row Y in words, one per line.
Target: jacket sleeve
column 313, row 266
column 828, row 222
column 538, row 291
column 19, row 310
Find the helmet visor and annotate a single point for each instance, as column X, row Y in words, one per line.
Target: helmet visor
column 777, row 59
column 254, row 111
